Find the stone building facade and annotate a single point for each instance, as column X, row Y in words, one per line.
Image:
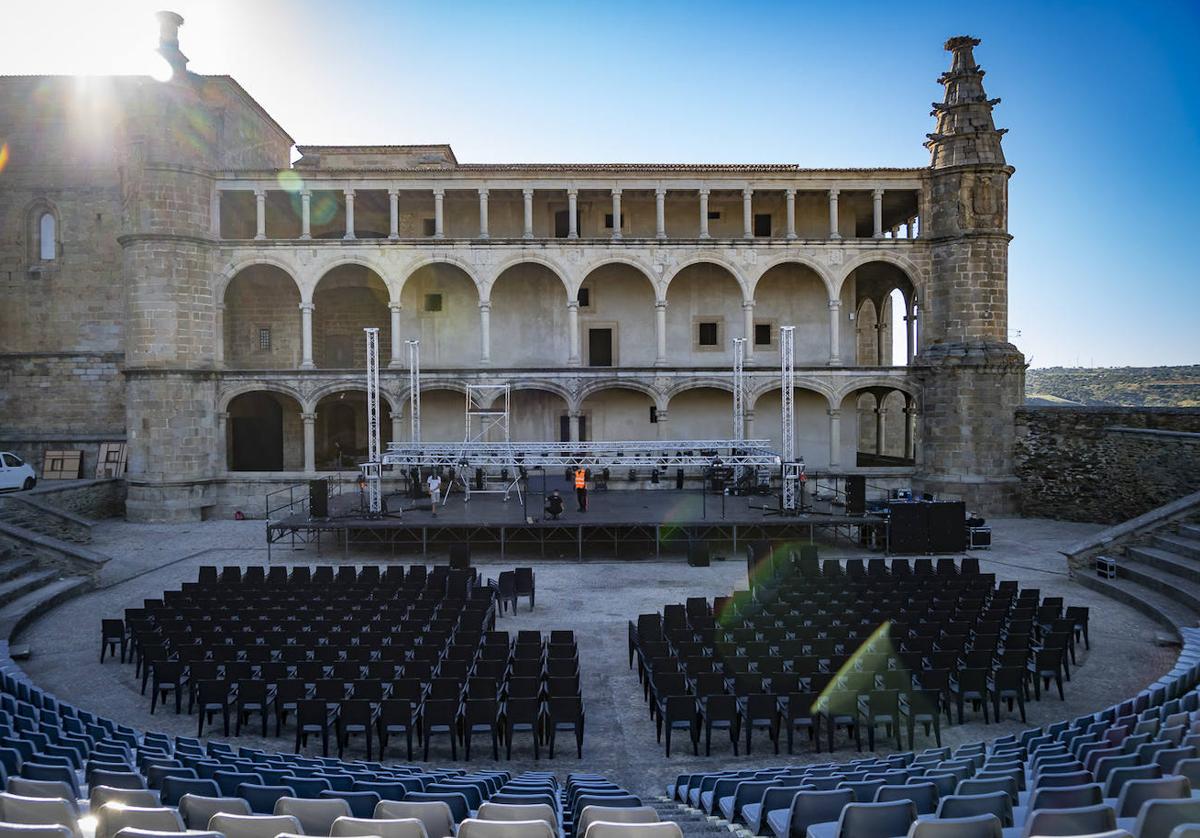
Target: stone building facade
column 172, row 278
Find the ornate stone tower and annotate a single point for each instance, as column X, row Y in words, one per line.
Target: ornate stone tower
column 972, row 377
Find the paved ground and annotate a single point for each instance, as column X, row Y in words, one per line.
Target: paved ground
column 595, row 599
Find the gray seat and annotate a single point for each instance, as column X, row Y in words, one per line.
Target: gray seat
column 316, row 817
column 133, row 832
column 613, row 814
column 1008, row 785
column 55, row 811
column 1118, row 777
column 869, row 820
column 434, row 814
column 99, row 795
column 1067, row 797
column 393, row 828
column 253, row 826
column 53, row 789
column 197, row 811
column 1136, row 792
column 1159, row 817
column 518, row 812
column 924, row 795
column 1081, row 820
column 475, row 828
column 1186, row 830
column 111, row 818
column 609, row 829
column 996, row 803
column 29, row 830
column 979, row 826
column 754, row 815
column 808, row 808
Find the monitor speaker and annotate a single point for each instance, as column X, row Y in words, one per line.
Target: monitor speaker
column 947, row 527
column 460, row 556
column 908, row 528
column 856, row 494
column 698, row 554
column 318, row 498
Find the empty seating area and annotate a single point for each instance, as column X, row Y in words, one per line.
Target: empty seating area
column 834, row 651
column 381, row 655
column 1132, row 769
column 70, row 774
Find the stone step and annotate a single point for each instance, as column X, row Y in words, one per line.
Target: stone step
column 1164, row 560
column 1169, row 612
column 1169, row 584
column 12, row 565
column 1181, row 544
column 15, row 613
column 1190, row 530
column 18, row 586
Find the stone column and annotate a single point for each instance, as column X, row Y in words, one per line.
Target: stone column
column 663, row 432
column 877, row 213
column 895, row 231
column 528, row 194
column 835, row 438
column 573, row 424
column 214, row 213
column 833, row 214
column 439, row 216
column 660, row 213
column 880, row 333
column 748, row 328
column 260, row 214
column 835, row 317
column 310, row 441
column 223, row 439
column 349, row 193
column 572, row 213
column 393, row 214
column 909, row 416
column 704, row 214
column 483, row 213
column 485, row 332
column 910, row 327
column 219, row 343
column 747, row 213
column 573, row 332
column 880, row 429
column 660, row 335
column 306, row 214
column 306, row 342
column 397, row 425
column 616, row 211
column 397, row 360
column 790, row 196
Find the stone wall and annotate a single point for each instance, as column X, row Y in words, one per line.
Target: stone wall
column 1105, row 464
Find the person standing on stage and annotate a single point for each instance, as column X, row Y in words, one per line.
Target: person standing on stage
column 434, row 484
column 581, row 488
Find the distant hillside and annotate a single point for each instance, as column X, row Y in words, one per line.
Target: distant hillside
column 1123, row 386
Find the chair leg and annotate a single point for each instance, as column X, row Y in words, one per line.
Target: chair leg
column 668, row 741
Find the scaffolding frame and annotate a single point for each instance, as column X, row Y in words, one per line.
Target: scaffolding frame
column 414, row 390
column 489, row 418
column 792, row 470
column 649, row 454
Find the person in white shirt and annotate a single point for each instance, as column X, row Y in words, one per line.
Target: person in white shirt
column 434, row 484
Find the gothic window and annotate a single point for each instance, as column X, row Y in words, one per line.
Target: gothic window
column 42, row 234
column 47, row 237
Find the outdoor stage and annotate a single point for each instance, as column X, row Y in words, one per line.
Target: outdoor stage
column 624, row 523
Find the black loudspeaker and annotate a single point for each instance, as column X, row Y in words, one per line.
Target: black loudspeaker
column 698, row 554
column 318, row 498
column 909, row 528
column 757, row 552
column 460, row 556
column 947, row 527
column 856, row 494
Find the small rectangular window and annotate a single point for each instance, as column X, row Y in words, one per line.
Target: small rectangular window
column 608, row 220
column 762, row 334
column 653, row 414
column 707, row 334
column 762, row 224
column 433, row 302
column 585, row 297
column 264, row 338
column 429, row 227
column 714, row 215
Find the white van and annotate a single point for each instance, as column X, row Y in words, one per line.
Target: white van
column 15, row 473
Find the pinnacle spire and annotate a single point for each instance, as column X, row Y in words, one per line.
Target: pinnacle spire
column 965, row 132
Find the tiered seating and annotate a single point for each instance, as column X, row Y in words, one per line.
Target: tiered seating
column 351, row 652
column 823, row 648
column 1134, row 767
column 71, row 774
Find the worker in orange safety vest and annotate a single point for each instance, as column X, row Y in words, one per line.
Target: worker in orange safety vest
column 581, row 488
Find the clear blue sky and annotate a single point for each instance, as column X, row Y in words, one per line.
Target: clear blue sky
column 1100, row 98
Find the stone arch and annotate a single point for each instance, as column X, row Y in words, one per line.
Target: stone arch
column 639, row 266
column 831, row 285
column 811, row 428
column 349, row 296
column 915, row 275
column 340, row 429
column 442, row 402
column 619, row 410
column 884, row 433
column 888, row 383
column 617, row 315
column 537, row 410
column 232, row 269
column 485, row 290
column 43, row 221
column 792, row 293
column 878, row 279
column 704, row 312
column 528, row 300
column 261, row 322
column 712, row 259
column 259, row 386
column 439, row 304
column 332, row 388
column 699, row 410
column 596, row 386
column 323, row 269
column 263, row 431
column 463, row 265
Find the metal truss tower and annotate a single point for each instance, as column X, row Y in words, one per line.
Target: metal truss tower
column 739, row 399
column 480, row 420
column 414, row 390
column 791, row 469
column 374, row 466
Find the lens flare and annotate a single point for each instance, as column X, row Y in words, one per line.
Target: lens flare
column 3, row 156
column 289, row 181
column 880, row 642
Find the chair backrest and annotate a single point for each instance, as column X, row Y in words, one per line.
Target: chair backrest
column 475, row 828
column 809, row 807
column 979, row 826
column 1067, row 797
column 434, row 814
column 610, row 814
column 113, row 817
column 516, row 812
column 1136, row 792
column 1081, row 820
column 876, row 820
column 997, row 803
column 39, row 810
column 135, row 832
column 40, row 788
column 924, row 795
column 253, row 826
column 391, row 828
column 1159, row 817
column 608, row 829
column 197, row 810
column 25, row 830
column 99, row 795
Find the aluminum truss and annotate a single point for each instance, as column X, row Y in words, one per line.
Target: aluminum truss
column 371, row 469
column 739, row 401
column 414, row 390
column 792, row 470
column 651, row 454
column 480, row 421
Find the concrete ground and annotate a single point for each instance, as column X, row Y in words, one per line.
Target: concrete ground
column 596, row 600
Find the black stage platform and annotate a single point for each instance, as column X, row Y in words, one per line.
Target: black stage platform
column 625, row 523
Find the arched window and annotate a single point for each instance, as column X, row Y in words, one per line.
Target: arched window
column 47, row 237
